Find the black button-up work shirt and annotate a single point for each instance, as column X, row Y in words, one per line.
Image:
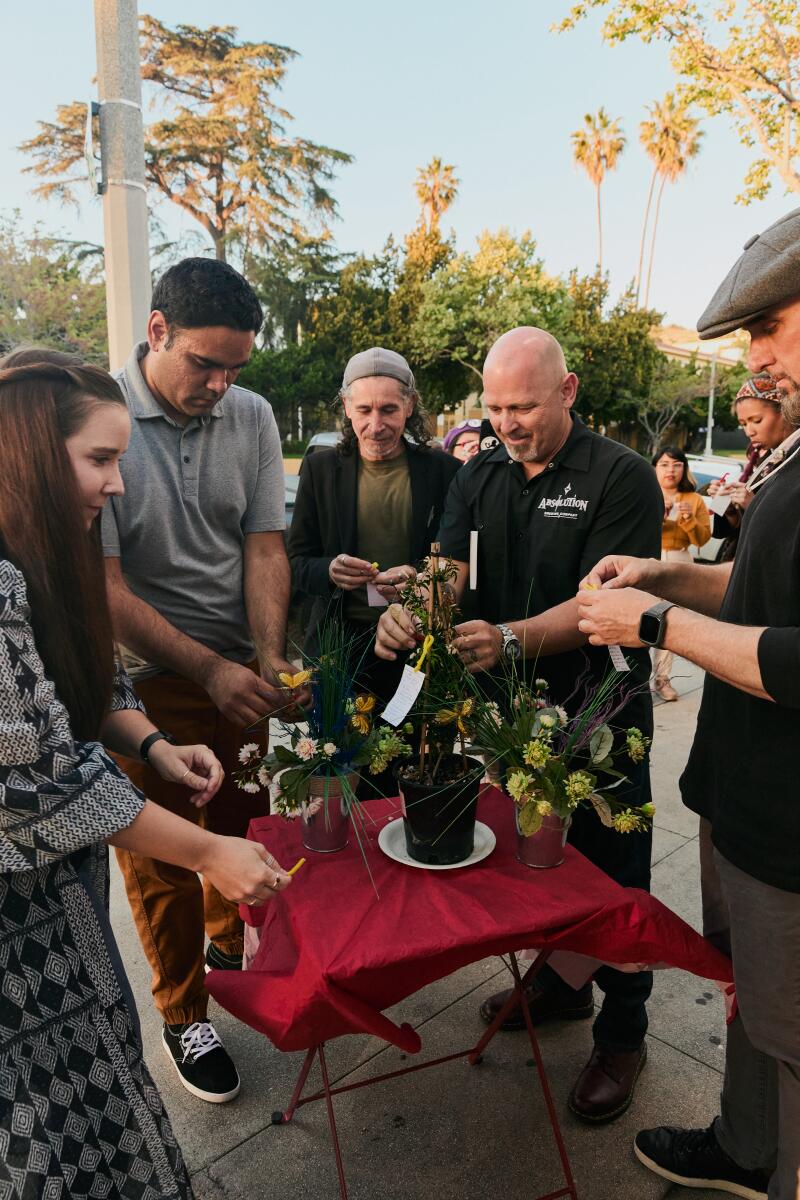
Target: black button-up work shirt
column 538, row 537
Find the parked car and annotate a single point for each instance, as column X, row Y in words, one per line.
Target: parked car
column 322, row 441
column 704, row 470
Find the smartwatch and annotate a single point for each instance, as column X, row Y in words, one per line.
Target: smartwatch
column 160, row 735
column 652, row 625
column 511, row 649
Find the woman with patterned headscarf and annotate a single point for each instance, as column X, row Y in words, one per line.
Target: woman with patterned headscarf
column 758, row 409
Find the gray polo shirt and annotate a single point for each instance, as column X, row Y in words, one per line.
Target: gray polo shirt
column 192, row 494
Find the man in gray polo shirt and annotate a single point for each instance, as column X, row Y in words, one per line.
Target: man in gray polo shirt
column 199, row 587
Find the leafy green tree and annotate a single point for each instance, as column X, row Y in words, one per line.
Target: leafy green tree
column 474, row 298
column 612, row 353
column 670, row 137
column 294, row 378
column 291, row 280
column 596, row 146
column 677, row 403
column 355, row 315
column 220, row 149
column 51, row 293
column 740, row 58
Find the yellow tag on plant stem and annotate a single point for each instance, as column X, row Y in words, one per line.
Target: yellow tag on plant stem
column 426, row 645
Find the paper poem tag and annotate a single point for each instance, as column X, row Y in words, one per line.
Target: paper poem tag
column 473, row 559
column 618, row 658
column 718, row 504
column 408, row 689
column 673, row 513
column 374, row 598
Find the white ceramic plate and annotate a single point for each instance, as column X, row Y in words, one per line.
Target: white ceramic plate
column 392, row 841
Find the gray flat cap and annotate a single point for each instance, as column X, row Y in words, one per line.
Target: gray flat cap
column 766, row 274
column 378, row 361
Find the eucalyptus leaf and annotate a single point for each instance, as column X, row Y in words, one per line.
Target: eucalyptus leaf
column 601, row 743
column 530, row 819
column 603, row 810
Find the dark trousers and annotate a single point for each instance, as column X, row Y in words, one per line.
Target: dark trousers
column 622, row 1021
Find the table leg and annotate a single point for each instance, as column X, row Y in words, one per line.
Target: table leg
column 517, row 997
column 548, row 1099
column 332, row 1121
column 283, row 1118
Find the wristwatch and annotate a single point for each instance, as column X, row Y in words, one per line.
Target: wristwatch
column 652, row 625
column 511, row 649
column 160, row 735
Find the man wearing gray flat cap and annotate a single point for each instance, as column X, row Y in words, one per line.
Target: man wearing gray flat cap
column 741, row 623
column 366, row 511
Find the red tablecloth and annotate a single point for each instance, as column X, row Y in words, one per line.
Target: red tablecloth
column 333, row 955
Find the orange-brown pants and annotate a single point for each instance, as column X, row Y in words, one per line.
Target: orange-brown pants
column 172, row 908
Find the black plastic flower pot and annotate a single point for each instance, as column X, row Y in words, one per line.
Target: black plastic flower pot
column 439, row 819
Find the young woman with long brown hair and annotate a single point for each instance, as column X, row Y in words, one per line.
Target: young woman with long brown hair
column 85, row 1113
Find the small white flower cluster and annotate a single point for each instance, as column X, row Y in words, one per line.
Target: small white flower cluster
column 247, row 752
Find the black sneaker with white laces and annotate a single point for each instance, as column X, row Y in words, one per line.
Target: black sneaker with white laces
column 203, row 1064
column 218, row 960
column 695, row 1159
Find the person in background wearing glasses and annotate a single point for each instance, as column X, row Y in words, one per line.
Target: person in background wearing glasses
column 463, row 441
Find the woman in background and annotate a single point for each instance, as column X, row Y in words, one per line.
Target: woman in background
column 758, row 410
column 686, row 523
column 463, row 441
column 79, row 1112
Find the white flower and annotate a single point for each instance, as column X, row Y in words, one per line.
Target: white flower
column 562, row 714
column 263, row 777
column 330, row 749
column 247, row 752
column 306, row 748
column 546, row 721
column 541, row 684
column 252, row 788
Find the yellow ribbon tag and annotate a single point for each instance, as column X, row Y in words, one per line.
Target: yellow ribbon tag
column 426, row 645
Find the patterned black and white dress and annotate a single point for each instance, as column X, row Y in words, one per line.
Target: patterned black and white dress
column 80, row 1115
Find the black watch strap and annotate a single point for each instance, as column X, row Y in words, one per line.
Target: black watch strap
column 652, row 625
column 160, row 735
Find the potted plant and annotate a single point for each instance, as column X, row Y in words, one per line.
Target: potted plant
column 337, row 739
column 439, row 785
column 551, row 763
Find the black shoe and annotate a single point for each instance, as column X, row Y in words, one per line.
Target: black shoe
column 549, row 1005
column 694, row 1158
column 218, row 960
column 203, row 1064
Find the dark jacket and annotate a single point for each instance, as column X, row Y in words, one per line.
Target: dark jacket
column 325, row 520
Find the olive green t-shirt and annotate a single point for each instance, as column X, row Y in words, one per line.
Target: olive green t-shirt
column 384, row 524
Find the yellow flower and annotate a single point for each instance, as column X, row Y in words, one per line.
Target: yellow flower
column 537, row 754
column 519, row 784
column 294, row 681
column 445, row 716
column 360, row 719
column 627, row 822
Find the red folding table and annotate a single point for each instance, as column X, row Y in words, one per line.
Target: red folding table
column 334, row 955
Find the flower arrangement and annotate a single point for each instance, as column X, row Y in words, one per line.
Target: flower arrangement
column 553, row 763
column 337, row 737
column 445, row 712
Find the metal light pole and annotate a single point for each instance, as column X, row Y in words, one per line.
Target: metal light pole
column 119, row 87
column 711, row 387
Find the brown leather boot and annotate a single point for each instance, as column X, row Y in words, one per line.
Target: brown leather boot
column 605, row 1085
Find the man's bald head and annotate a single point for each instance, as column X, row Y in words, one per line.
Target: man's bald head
column 528, row 392
column 529, row 351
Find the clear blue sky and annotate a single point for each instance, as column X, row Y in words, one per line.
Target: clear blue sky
column 485, row 86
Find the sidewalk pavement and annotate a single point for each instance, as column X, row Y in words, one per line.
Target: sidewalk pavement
column 457, row 1132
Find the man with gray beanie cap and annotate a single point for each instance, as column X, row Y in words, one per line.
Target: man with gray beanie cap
column 741, row 623
column 366, row 511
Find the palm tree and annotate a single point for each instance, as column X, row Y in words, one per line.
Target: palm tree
column 671, row 137
column 596, row 147
column 437, row 187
